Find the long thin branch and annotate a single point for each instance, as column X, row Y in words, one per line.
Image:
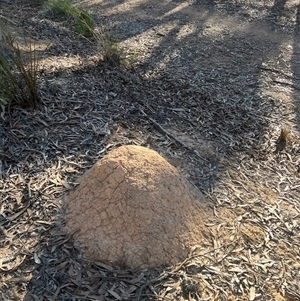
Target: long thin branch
column 296, row 87
column 8, row 20
column 168, row 134
column 278, row 71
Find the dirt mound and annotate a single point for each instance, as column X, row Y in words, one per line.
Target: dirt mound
column 134, row 210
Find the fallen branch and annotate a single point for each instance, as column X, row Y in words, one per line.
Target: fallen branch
column 168, row 134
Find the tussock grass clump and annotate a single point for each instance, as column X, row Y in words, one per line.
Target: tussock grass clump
column 84, row 23
column 81, row 20
column 18, row 74
column 109, row 48
column 59, row 8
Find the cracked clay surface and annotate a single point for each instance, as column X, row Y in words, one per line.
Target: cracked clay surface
column 134, row 210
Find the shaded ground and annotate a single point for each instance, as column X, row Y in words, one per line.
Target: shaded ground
column 208, row 84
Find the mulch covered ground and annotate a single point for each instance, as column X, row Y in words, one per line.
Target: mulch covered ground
column 210, row 85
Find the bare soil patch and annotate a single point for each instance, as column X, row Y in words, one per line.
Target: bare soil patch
column 207, row 84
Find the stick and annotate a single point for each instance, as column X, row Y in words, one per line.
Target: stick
column 5, row 18
column 165, row 132
column 277, row 71
column 296, row 87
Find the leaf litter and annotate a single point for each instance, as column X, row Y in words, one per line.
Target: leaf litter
column 218, row 126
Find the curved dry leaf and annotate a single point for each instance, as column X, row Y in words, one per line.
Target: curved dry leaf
column 252, row 293
column 36, row 259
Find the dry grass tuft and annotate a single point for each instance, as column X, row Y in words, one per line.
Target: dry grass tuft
column 18, row 74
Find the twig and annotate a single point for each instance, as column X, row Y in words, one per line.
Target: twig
column 16, row 215
column 158, row 279
column 8, row 20
column 277, row 71
column 165, row 132
column 167, row 274
column 286, row 83
column 292, row 294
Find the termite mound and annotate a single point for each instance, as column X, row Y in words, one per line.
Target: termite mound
column 134, row 210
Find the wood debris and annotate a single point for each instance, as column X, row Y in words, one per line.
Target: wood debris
column 213, row 102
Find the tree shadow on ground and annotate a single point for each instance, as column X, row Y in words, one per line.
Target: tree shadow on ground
column 295, row 65
column 202, row 84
